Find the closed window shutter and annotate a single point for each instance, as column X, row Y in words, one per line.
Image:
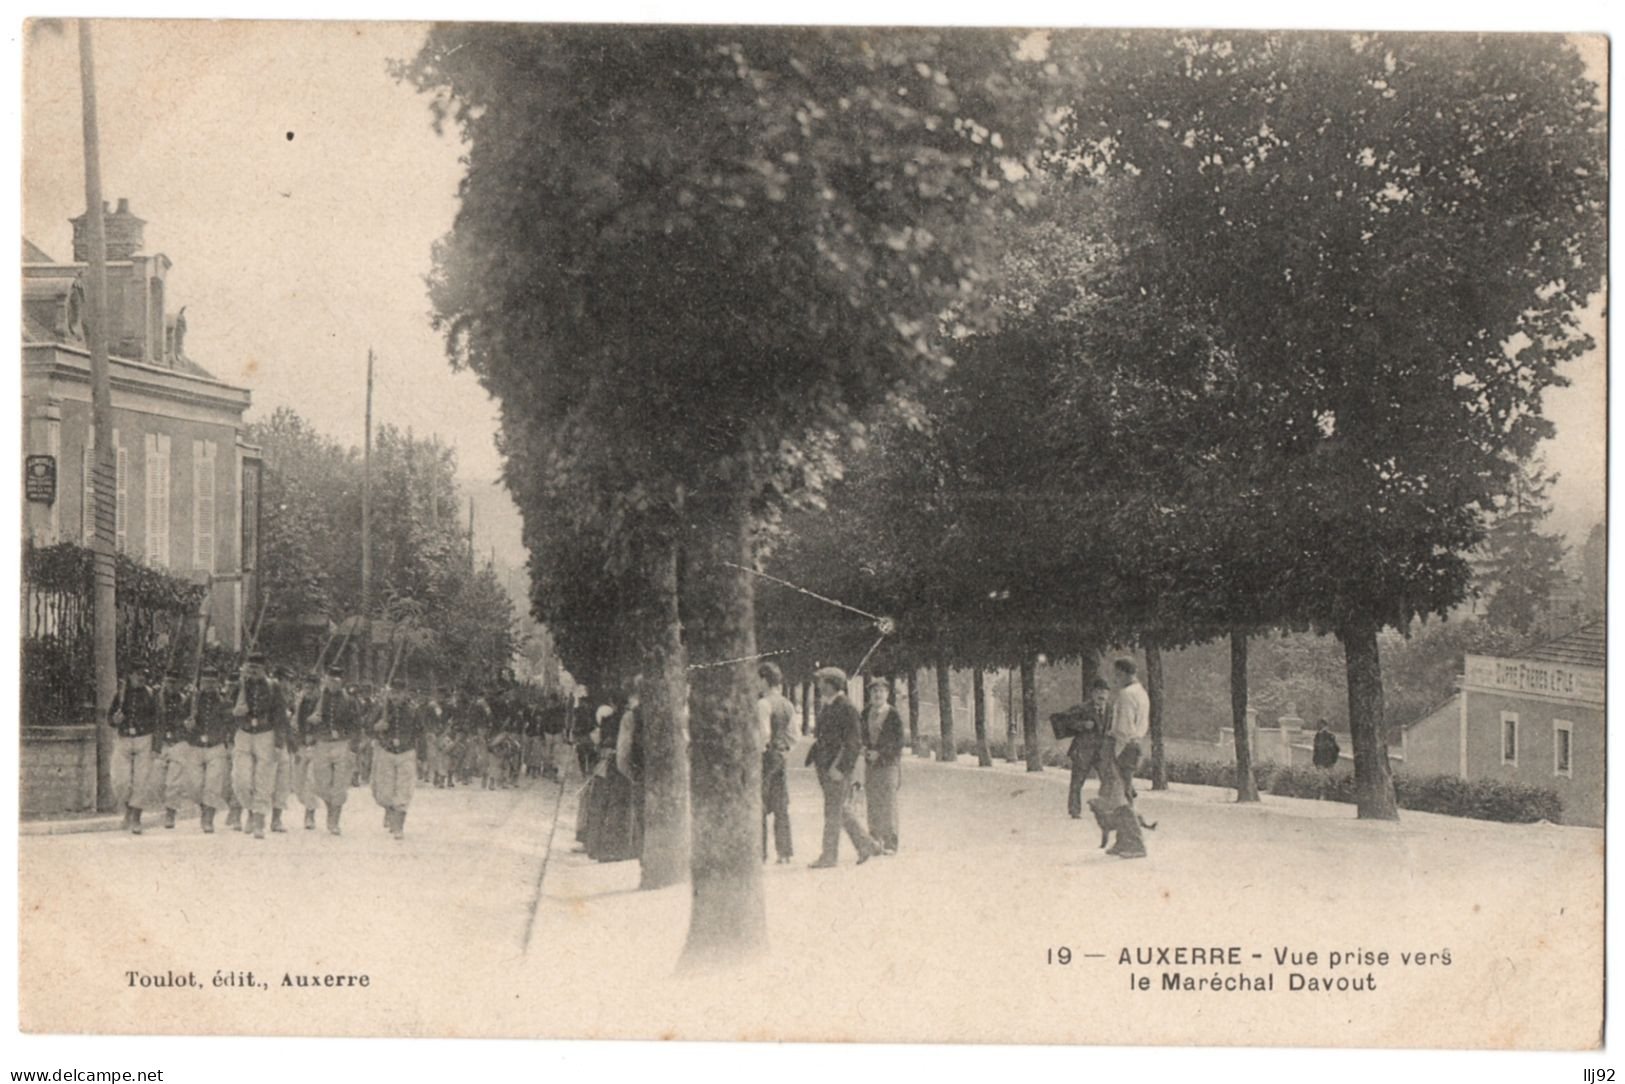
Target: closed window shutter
column 203, row 475
column 158, row 500
column 121, row 518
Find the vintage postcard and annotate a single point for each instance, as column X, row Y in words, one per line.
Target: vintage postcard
column 833, row 534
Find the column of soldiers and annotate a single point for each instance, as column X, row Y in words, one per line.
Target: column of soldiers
column 251, row 744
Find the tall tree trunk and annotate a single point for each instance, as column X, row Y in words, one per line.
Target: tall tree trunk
column 1246, row 785
column 944, row 709
column 728, row 919
column 984, row 755
column 914, row 713
column 1153, row 690
column 1373, row 782
column 666, row 821
column 1029, row 714
column 806, row 707
column 1010, row 716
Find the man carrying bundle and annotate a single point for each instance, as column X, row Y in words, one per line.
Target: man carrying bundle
column 1086, row 754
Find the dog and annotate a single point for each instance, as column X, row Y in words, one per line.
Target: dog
column 1107, row 817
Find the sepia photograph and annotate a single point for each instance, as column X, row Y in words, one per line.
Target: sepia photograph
column 816, row 534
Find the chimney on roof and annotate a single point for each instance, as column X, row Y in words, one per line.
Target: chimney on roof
column 125, row 237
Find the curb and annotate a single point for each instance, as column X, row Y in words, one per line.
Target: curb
column 108, row 823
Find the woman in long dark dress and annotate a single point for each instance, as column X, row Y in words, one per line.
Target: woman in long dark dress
column 590, row 761
column 611, row 816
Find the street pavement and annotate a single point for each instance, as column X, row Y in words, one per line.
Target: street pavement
column 950, row 940
column 429, row 917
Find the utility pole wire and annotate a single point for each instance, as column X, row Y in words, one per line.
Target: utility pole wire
column 810, row 594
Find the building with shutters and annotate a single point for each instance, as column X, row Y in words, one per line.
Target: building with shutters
column 187, row 483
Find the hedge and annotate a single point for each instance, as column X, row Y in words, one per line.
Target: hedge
column 1481, row 799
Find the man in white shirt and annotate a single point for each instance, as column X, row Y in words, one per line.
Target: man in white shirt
column 1131, row 718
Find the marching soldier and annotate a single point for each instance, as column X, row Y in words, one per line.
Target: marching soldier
column 333, row 726
column 234, row 808
column 437, row 740
column 553, row 724
column 134, row 718
column 172, row 760
column 394, row 758
column 420, row 706
column 261, row 726
column 304, row 748
column 283, row 786
column 366, row 708
column 208, row 733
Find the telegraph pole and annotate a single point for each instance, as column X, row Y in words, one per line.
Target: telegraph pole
column 366, row 531
column 101, row 420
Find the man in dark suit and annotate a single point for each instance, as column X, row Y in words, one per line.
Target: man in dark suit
column 836, row 753
column 1086, row 753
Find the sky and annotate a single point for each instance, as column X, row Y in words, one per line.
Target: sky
column 298, row 189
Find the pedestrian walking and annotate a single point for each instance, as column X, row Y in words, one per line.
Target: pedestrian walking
column 1086, row 753
column 836, row 754
column 1130, row 719
column 883, row 764
column 1325, row 757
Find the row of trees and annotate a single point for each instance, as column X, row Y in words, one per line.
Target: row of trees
column 1117, row 338
column 422, row 562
